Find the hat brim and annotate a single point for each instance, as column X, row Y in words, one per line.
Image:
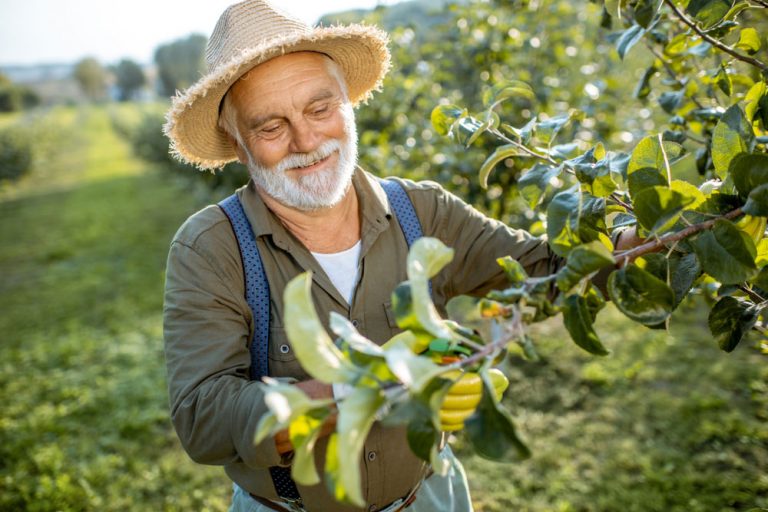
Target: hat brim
column 192, row 121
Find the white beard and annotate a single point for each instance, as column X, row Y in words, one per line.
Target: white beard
column 317, row 190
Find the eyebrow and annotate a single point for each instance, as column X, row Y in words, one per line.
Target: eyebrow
column 325, row 94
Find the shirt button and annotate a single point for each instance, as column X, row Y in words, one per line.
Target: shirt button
column 371, row 456
column 285, row 348
column 355, row 323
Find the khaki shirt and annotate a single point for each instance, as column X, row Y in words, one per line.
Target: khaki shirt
column 208, row 325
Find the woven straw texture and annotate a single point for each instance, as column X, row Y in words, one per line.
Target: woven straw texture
column 247, row 34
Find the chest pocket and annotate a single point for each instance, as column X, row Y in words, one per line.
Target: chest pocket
column 282, row 358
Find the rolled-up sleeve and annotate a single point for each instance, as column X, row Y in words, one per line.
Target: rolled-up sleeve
column 215, row 408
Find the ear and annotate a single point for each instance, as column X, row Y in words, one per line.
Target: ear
column 239, row 151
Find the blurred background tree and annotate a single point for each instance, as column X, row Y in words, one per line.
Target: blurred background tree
column 180, row 63
column 129, row 79
column 92, row 78
column 15, row 97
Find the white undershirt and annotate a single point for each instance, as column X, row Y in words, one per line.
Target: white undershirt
column 342, row 268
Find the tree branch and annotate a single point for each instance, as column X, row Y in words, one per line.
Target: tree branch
column 756, row 298
column 714, row 42
column 659, row 242
column 523, row 147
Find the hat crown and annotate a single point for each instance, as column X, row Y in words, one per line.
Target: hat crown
column 248, row 24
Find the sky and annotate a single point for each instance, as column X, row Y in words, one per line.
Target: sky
column 63, row 31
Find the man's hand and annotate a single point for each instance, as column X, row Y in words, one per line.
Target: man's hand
column 315, row 390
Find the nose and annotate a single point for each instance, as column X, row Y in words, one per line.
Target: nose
column 304, row 137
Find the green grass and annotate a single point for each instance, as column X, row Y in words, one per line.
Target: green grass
column 82, row 379
column 663, row 424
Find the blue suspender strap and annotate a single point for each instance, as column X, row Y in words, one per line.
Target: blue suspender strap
column 257, row 296
column 404, row 211
column 256, row 284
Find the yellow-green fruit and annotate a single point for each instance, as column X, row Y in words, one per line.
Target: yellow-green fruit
column 461, row 401
column 455, row 416
column 468, row 383
column 500, row 381
column 754, row 227
column 452, row 427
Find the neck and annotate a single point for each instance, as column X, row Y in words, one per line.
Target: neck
column 326, row 230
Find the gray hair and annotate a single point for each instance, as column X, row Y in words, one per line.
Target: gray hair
column 228, row 113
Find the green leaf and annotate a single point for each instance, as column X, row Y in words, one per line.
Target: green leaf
column 414, row 371
column 505, row 90
column 709, row 12
column 579, row 322
column 659, row 208
column 645, row 11
column 422, row 434
column 648, row 164
column 582, row 261
column 749, row 40
column 344, row 329
column 593, row 170
column 757, row 203
column 641, row 296
column 689, row 190
column 467, row 129
column 643, row 88
column 499, row 154
column 761, row 279
column 526, row 132
column 655, row 264
column 671, row 100
column 547, row 130
column 316, row 353
column 723, row 80
column 736, row 10
column 628, row 39
column 683, row 272
column 514, row 271
column 726, row 253
column 748, row 171
column 304, row 432
column 357, row 412
column 491, row 429
column 645, row 178
column 444, row 116
column 756, row 103
column 732, row 135
column 536, row 182
column 730, row 319
column 426, row 258
column 574, row 218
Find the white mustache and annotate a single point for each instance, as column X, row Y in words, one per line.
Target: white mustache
column 295, row 160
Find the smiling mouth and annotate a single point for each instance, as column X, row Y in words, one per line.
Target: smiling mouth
column 313, row 164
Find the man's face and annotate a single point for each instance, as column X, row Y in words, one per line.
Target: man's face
column 297, row 130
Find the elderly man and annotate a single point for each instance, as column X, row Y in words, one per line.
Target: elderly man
column 279, row 98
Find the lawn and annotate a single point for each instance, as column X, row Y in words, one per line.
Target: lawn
column 667, row 422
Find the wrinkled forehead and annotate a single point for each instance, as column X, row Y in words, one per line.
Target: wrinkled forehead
column 281, row 72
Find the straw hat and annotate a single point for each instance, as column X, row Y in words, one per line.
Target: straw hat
column 247, row 34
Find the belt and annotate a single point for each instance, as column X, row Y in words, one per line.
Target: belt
column 396, row 506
